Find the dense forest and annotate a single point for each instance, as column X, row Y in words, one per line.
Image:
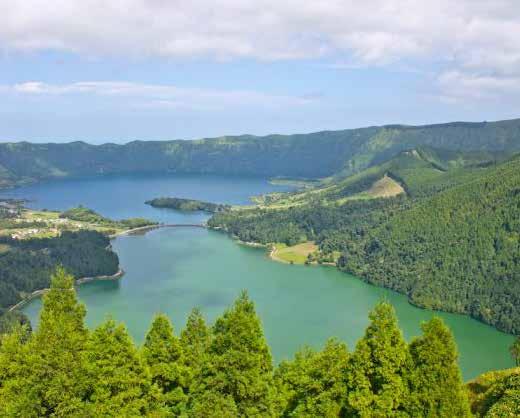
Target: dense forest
column 27, row 265
column 186, row 204
column 458, row 250
column 453, row 247
column 226, row 370
column 313, row 155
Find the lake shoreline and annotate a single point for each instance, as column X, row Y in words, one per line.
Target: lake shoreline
column 271, row 249
column 117, row 275
column 40, row 292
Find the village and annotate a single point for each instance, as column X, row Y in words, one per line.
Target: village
column 19, row 222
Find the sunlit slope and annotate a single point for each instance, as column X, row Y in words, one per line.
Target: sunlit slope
column 417, row 172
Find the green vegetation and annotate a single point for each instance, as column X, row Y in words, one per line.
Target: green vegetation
column 187, row 204
column 226, row 370
column 10, row 320
column 28, row 224
column 28, row 264
column 307, row 156
column 297, row 254
column 417, row 172
column 515, row 351
column 496, row 394
column 33, row 243
column 89, row 216
column 451, row 243
column 456, row 251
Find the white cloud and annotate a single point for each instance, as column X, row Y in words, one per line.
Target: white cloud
column 460, row 86
column 158, row 95
column 372, row 30
column 474, row 37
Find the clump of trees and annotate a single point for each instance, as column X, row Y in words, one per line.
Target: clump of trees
column 188, row 205
column 83, row 214
column 223, row 370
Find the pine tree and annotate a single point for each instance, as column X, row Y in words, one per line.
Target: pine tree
column 50, row 378
column 515, row 351
column 120, row 381
column 16, row 375
column 162, row 352
column 240, row 362
column 212, row 404
column 195, row 338
column 377, row 372
column 436, row 385
column 313, row 385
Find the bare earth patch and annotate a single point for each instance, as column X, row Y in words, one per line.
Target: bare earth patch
column 385, row 187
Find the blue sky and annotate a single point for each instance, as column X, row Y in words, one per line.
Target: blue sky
column 153, row 70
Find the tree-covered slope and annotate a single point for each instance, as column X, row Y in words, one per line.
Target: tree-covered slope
column 458, row 250
column 452, row 243
column 27, row 265
column 420, row 171
column 314, row 155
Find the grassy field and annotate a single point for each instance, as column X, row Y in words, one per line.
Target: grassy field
column 297, row 254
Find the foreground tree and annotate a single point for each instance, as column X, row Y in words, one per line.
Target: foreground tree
column 195, row 340
column 50, row 372
column 239, row 363
column 377, row 373
column 15, row 375
column 211, row 404
column 63, row 370
column 496, row 394
column 162, row 352
column 436, row 386
column 10, row 320
column 313, row 384
column 120, row 381
column 515, row 351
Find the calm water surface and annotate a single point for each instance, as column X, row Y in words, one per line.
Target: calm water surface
column 172, row 270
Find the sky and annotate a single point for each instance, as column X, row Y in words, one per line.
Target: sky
column 121, row 70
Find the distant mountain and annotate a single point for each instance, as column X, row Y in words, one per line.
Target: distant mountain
column 314, row 155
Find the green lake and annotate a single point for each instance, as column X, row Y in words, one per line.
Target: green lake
column 172, row 270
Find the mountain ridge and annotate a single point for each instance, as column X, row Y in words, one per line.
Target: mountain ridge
column 313, row 155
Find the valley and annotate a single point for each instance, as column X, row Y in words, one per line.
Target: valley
column 401, row 224
column 175, row 269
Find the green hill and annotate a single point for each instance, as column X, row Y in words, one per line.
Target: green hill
column 457, row 250
column 314, row 155
column 451, row 243
column 420, row 172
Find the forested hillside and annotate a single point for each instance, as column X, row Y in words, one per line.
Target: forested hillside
column 451, row 243
column 314, row 155
column 458, row 250
column 226, row 370
column 27, row 265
